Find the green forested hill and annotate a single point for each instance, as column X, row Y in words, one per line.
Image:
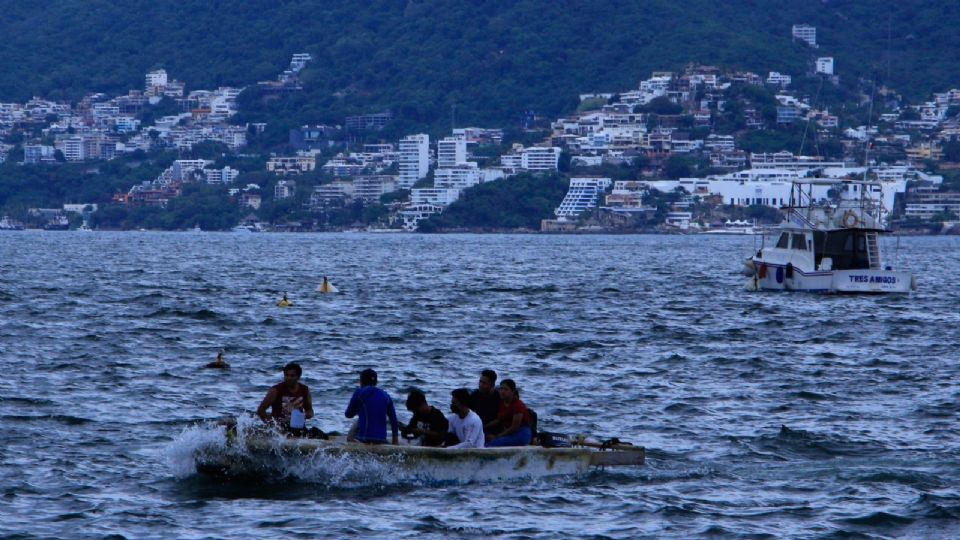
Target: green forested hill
column 494, row 59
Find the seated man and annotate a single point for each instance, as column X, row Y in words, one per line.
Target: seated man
column 485, row 399
column 284, row 397
column 372, row 407
column 427, row 423
column 464, row 423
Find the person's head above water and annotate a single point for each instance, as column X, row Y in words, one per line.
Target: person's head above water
column 368, row 377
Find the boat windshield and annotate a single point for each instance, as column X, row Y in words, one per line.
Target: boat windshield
column 784, row 241
column 847, row 249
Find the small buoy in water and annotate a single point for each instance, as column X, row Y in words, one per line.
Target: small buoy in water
column 326, row 286
column 219, row 362
column 284, row 302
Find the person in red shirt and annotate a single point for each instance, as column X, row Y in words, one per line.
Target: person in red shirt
column 512, row 425
column 284, row 397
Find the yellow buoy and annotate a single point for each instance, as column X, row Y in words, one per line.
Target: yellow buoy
column 284, row 302
column 326, row 286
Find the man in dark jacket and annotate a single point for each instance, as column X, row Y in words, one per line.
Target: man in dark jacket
column 485, row 400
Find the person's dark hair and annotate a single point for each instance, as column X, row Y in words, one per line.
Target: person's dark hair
column 368, row 377
column 510, row 384
column 415, row 399
column 490, row 374
column 462, row 395
column 293, row 366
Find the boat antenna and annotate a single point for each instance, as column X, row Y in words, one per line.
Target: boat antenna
column 816, row 101
column 866, row 151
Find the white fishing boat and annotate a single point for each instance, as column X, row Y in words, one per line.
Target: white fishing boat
column 254, row 453
column 829, row 243
column 7, row 224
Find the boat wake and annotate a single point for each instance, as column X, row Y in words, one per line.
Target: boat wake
column 206, row 448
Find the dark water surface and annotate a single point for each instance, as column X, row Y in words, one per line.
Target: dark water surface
column 765, row 415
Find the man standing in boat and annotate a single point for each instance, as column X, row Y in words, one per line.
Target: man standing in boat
column 485, row 400
column 372, row 407
column 286, row 397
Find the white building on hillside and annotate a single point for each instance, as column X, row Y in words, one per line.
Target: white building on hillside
column 414, row 159
column 582, row 195
column 779, row 79
column 451, row 152
column 226, row 175
column 534, row 158
column 464, row 176
column 370, row 188
column 805, row 33
column 292, row 164
column 157, row 78
column 284, row 189
column 825, row 65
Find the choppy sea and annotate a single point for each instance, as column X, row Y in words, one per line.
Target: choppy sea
column 765, row 415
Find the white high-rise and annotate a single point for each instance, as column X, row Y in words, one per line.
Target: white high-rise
column 156, row 78
column 414, row 159
column 538, row 158
column 825, row 65
column 805, row 33
column 451, row 151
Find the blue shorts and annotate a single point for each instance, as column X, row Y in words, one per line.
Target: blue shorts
column 521, row 437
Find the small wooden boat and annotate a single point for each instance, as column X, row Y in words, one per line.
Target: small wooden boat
column 260, row 453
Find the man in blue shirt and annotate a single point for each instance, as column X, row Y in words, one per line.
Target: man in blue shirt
column 372, row 406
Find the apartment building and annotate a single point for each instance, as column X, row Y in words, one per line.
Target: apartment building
column 805, row 33
column 582, row 195
column 414, row 159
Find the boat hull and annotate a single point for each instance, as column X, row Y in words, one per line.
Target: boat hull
column 776, row 277
column 277, row 457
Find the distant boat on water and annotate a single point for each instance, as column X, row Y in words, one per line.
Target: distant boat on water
column 7, row 224
column 57, row 223
column 737, row 227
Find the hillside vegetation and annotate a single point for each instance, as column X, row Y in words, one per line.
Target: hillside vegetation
column 494, row 60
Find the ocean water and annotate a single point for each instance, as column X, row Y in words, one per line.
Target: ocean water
column 765, row 415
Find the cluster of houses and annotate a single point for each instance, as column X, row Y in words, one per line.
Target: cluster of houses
column 101, row 127
column 624, row 204
column 608, row 129
column 363, row 176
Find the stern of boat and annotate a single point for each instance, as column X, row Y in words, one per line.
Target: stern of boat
column 873, row 281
